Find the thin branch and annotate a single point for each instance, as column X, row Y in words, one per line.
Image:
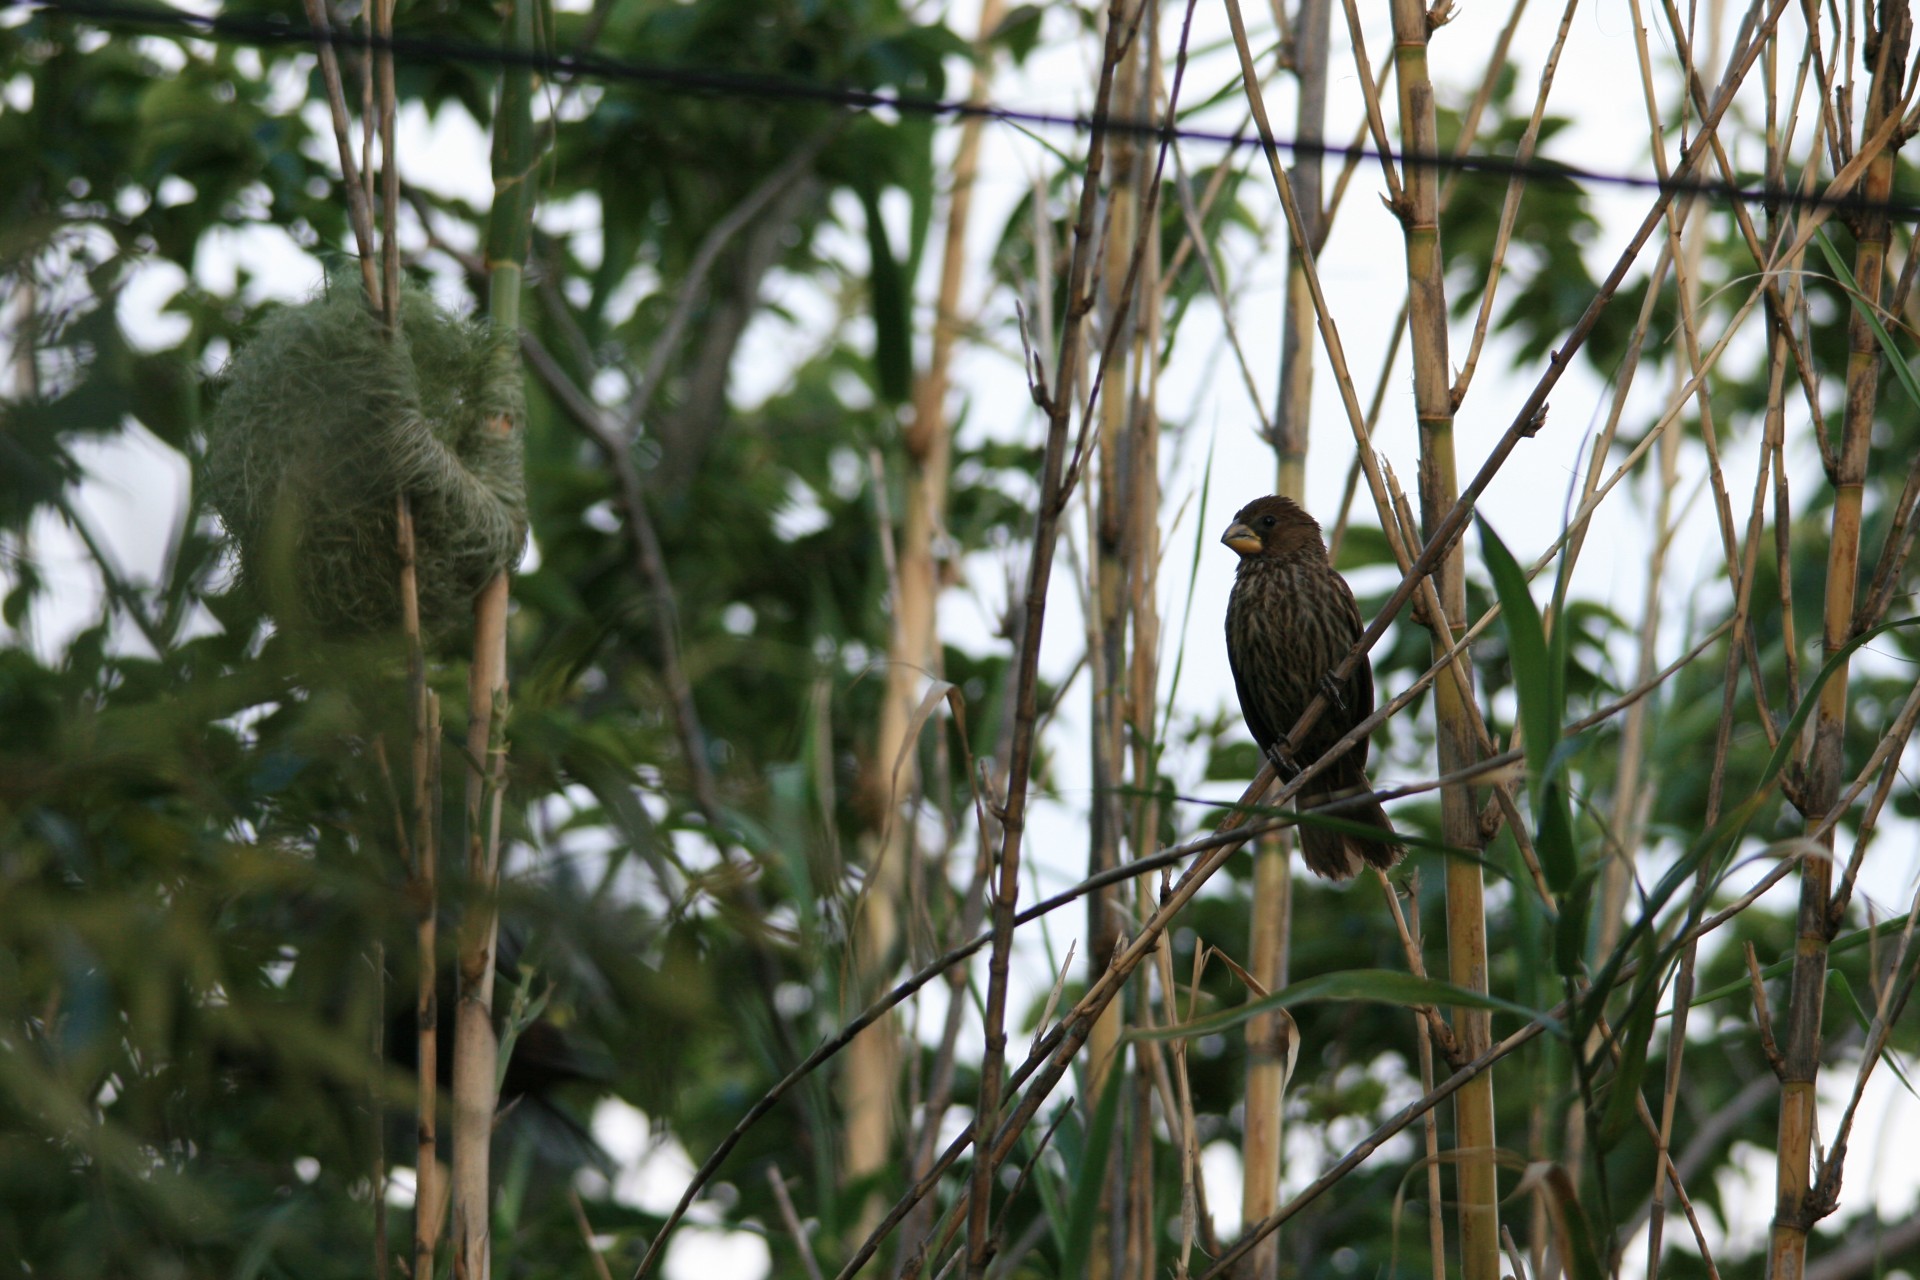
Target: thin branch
column 666, row 344
column 649, row 564
column 358, row 212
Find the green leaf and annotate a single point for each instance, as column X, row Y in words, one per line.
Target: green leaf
column 1838, row 980
column 1569, row 930
column 1780, row 968
column 1084, row 1209
column 1019, row 31
column 892, row 318
column 1896, row 360
column 1621, row 1109
column 1537, row 679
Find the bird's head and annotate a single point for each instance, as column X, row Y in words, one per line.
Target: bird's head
column 1273, row 527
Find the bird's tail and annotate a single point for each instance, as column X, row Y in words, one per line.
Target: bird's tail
column 1339, row 855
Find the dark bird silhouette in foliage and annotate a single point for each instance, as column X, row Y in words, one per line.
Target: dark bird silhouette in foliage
column 543, row 1061
column 1290, row 620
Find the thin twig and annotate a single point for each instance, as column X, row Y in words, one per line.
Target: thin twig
column 359, row 215
column 580, row 1220
column 791, row 1220
column 666, row 344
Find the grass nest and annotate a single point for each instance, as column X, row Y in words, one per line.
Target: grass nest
column 320, row 424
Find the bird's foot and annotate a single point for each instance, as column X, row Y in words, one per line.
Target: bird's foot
column 1280, row 756
column 1330, row 690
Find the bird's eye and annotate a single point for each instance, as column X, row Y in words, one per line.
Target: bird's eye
column 1266, row 522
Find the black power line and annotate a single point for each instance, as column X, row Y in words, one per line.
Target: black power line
column 271, row 31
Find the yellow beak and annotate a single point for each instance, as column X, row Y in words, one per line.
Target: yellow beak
column 1242, row 539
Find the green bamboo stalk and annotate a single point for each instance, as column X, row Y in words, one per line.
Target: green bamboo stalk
column 1474, row 1136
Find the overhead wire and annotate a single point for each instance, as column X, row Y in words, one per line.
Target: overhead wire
column 269, row 31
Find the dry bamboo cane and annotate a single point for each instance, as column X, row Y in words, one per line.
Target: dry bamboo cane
column 1143, row 555
column 1780, row 345
column 423, row 757
column 475, row 1046
column 424, row 712
column 1799, row 1201
column 1109, row 567
column 1474, row 1137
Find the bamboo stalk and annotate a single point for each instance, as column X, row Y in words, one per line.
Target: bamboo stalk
column 359, row 208
column 1109, row 568
column 1109, row 564
column 378, row 1109
column 1780, row 346
column 1798, row 1205
column 389, row 166
column 1474, row 1135
column 1143, row 555
column 423, row 709
column 1269, row 1035
column 476, row 1048
column 1293, row 408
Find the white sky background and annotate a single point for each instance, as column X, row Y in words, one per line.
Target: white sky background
column 134, row 495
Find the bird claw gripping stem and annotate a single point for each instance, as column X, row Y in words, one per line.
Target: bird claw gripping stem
column 1280, row 755
column 1329, row 689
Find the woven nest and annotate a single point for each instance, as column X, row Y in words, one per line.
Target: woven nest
column 321, row 423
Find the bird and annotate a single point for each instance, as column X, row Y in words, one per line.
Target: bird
column 1290, row 620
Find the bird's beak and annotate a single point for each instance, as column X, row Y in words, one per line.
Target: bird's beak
column 1242, row 539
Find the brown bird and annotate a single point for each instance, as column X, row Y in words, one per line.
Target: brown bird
column 1290, row 620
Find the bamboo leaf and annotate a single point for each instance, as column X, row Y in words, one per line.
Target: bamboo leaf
column 1621, row 1109
column 1780, row 968
column 1571, row 1232
column 1539, row 683
column 1838, row 980
column 1896, row 360
column 892, row 318
column 1084, row 1208
column 1047, row 1184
